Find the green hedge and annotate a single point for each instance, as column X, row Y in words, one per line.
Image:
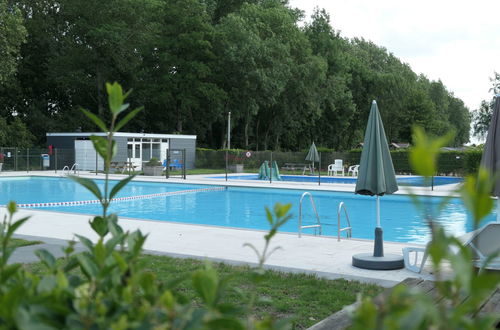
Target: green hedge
column 449, row 162
column 472, row 160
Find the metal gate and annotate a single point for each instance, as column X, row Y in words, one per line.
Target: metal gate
column 175, row 163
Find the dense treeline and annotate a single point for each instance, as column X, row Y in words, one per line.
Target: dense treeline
column 190, row 62
column 481, row 117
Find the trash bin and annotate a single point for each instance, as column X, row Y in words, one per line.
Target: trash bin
column 45, row 161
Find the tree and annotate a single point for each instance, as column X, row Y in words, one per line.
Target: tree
column 185, row 59
column 12, row 35
column 482, row 117
column 254, row 60
column 71, row 49
column 191, row 62
column 460, row 119
column 15, row 134
column 332, row 93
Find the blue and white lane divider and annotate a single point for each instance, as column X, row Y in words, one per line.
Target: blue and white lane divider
column 118, row 199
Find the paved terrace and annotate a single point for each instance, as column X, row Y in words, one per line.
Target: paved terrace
column 324, row 256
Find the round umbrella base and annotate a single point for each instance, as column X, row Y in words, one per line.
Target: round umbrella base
column 387, row 262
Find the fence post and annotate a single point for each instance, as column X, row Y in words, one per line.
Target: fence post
column 167, row 168
column 184, row 164
column 15, row 158
column 319, row 170
column 226, row 163
column 271, row 169
column 28, row 160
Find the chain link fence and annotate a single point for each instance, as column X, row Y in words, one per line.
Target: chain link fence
column 251, row 165
column 35, row 159
column 243, row 164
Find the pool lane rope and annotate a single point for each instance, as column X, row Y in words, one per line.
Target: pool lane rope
column 119, row 199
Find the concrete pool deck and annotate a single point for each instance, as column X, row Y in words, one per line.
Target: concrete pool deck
column 324, row 256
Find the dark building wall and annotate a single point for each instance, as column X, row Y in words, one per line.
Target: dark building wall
column 189, row 145
column 63, row 142
column 64, row 150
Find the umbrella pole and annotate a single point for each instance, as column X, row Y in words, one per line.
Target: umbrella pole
column 498, row 209
column 378, row 211
column 378, row 249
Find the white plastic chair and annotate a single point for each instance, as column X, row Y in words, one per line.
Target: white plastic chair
column 482, row 242
column 330, row 170
column 336, row 167
column 411, row 256
column 353, row 170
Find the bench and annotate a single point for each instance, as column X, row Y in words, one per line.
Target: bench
column 342, row 319
column 122, row 166
column 294, row 166
column 175, row 165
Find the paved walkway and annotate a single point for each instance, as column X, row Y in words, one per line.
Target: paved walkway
column 310, row 254
column 321, row 255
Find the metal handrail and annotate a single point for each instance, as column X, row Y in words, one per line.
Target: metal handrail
column 65, row 168
column 75, row 169
column 349, row 228
column 318, row 225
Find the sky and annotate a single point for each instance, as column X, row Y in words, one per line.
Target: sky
column 455, row 41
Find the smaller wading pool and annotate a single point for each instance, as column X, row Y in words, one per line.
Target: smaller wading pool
column 417, row 181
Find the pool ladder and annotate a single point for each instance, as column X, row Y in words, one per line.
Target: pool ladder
column 347, row 229
column 318, row 223
column 318, row 226
column 67, row 171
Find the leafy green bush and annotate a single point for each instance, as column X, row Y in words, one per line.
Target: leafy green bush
column 114, row 290
column 449, row 162
column 324, row 149
column 153, row 162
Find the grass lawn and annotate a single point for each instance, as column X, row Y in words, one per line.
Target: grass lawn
column 18, row 242
column 195, row 171
column 306, row 299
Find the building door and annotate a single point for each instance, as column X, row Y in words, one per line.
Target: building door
column 134, row 152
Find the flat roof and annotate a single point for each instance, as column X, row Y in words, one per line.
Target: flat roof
column 125, row 134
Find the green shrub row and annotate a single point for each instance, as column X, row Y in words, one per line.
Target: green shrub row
column 449, row 162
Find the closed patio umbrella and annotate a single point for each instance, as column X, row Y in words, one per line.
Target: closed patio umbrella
column 313, row 155
column 376, row 178
column 491, row 153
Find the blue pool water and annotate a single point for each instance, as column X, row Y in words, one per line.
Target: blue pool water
column 409, row 181
column 244, row 207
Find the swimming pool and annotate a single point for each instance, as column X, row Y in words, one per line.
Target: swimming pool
column 239, row 207
column 408, row 181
